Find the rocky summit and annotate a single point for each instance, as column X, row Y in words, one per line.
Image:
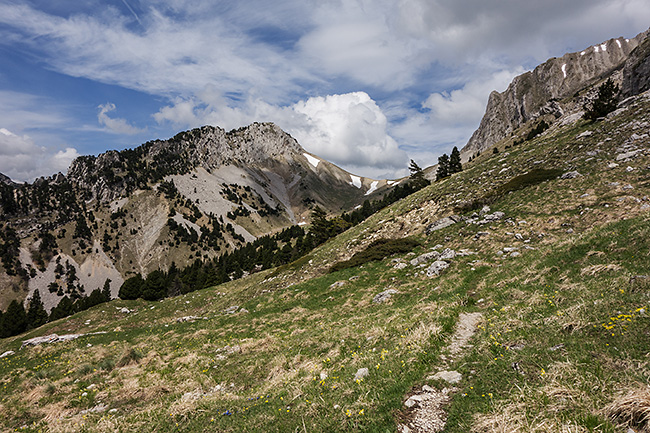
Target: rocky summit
column 174, row 287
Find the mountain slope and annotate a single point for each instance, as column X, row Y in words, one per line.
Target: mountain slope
column 562, row 343
column 198, row 195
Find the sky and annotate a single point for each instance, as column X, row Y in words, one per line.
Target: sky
column 367, row 85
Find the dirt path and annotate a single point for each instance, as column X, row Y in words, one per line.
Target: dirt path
column 425, row 409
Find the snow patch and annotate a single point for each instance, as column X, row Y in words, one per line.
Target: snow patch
column 302, row 223
column 373, row 187
column 583, row 53
column 356, row 181
column 564, row 70
column 603, row 47
column 618, row 43
column 312, row 160
column 596, row 49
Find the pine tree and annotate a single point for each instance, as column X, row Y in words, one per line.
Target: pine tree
column 417, row 176
column 14, row 320
column 132, row 288
column 36, row 314
column 443, row 167
column 604, row 103
column 64, row 309
column 106, row 290
column 455, row 165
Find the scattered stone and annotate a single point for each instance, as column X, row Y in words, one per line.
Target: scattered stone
column 436, row 267
column 585, row 134
column 97, row 409
column 448, row 376
column 361, row 373
column 628, row 187
column 584, row 195
column 515, row 254
column 52, row 338
column 353, row 278
column 570, row 175
column 636, row 136
column 447, row 254
column 323, row 375
column 384, row 296
column 400, row 265
column 556, row 347
column 242, row 310
column 627, row 155
column 7, row 353
column 112, row 410
column 429, row 415
column 231, row 310
column 484, row 211
column 479, row 234
column 337, row 284
column 629, row 169
column 440, row 224
column 189, row 319
column 423, row 258
column 612, row 165
column 125, row 310
column 519, row 236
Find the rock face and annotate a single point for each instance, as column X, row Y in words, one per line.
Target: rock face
column 636, row 72
column 536, row 93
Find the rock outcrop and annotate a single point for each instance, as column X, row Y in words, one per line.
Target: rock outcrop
column 538, row 92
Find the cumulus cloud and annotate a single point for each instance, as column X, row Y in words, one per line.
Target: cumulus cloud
column 116, row 125
column 22, row 160
column 349, row 130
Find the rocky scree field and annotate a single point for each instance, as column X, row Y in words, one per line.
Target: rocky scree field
column 548, row 241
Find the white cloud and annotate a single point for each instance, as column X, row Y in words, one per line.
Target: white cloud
column 22, row 160
column 349, row 130
column 116, row 125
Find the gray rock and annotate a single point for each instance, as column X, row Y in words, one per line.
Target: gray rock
column 436, row 268
column 187, row 319
column 627, row 155
column 52, row 338
column 361, row 373
column 480, row 234
column 231, row 310
column 400, row 265
column 7, row 353
column 384, row 296
column 440, row 224
column 337, row 284
column 426, row 257
column 448, row 376
column 515, row 254
column 484, row 211
column 447, row 254
column 570, row 175
column 125, row 310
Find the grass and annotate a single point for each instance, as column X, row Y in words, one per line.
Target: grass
column 563, row 345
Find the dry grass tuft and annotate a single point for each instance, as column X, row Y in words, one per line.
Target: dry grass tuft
column 632, row 409
column 597, row 269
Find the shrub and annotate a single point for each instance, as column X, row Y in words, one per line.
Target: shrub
column 377, row 250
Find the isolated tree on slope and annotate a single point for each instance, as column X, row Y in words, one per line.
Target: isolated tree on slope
column 443, row 167
column 604, row 103
column 417, row 176
column 455, row 165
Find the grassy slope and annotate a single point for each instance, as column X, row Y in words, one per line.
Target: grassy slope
column 288, row 364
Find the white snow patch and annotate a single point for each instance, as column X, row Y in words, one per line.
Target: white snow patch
column 596, row 49
column 373, row 187
column 564, row 70
column 627, row 40
column 356, row 181
column 302, row 223
column 583, row 53
column 603, row 47
column 312, row 160
column 391, row 182
column 618, row 43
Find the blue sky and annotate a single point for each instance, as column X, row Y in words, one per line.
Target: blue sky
column 365, row 84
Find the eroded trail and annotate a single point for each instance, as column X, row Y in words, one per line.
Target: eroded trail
column 425, row 409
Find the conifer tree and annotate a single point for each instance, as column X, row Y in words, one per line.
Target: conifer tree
column 455, row 165
column 604, row 103
column 417, row 176
column 36, row 314
column 64, row 309
column 106, row 290
column 14, row 320
column 443, row 167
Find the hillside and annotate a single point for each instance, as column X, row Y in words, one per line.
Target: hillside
column 522, row 305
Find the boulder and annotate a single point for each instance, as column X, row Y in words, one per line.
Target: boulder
column 384, row 296
column 436, row 268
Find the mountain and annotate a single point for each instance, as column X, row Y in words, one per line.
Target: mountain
column 556, row 87
column 196, row 196
column 509, row 297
